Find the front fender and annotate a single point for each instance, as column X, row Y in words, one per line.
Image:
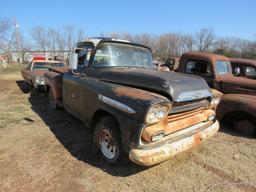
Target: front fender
column 236, row 103
column 111, row 98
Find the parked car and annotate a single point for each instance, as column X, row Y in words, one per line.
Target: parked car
column 33, row 74
column 217, row 71
column 243, row 67
column 132, row 109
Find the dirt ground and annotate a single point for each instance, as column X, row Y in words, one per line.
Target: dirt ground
column 46, row 150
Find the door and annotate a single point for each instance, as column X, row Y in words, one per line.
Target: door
column 200, row 68
column 72, row 94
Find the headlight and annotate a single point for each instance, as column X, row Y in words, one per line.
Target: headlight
column 157, row 112
column 39, row 80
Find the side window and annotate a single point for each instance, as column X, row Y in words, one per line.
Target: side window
column 250, row 72
column 84, row 56
column 198, row 68
column 234, row 66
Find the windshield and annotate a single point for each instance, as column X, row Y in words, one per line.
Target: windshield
column 45, row 65
column 122, row 55
column 222, row 67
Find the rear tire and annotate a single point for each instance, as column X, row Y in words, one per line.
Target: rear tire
column 107, row 140
column 245, row 126
column 52, row 102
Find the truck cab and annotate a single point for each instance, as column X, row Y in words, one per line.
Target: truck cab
column 217, row 71
column 132, row 108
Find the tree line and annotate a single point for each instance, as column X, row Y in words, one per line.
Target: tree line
column 163, row 45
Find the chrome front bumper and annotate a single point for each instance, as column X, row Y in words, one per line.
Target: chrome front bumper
column 148, row 157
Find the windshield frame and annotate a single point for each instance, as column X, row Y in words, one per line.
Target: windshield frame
column 91, row 65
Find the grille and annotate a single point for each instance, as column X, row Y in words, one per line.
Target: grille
column 183, row 115
column 177, row 108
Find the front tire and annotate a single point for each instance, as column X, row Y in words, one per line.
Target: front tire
column 107, row 140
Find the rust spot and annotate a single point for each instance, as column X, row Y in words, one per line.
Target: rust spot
column 153, row 157
column 197, row 139
column 134, row 93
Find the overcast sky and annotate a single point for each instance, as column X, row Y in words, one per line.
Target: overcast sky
column 227, row 17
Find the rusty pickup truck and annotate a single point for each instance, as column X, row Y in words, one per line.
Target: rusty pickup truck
column 33, row 74
column 236, row 106
column 132, row 108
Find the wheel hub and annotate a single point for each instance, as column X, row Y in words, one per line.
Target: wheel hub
column 107, row 147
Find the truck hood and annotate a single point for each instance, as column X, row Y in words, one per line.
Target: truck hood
column 177, row 87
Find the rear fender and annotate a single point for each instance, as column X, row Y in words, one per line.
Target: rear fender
column 54, row 81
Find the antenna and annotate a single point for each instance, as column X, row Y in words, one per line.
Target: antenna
column 17, row 33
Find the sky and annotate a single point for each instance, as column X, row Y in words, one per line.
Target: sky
column 228, row 18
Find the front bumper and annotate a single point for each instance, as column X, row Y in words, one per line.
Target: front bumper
column 152, row 156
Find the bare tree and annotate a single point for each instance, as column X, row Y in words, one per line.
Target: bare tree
column 187, row 43
column 5, row 24
column 204, row 39
column 40, row 37
column 72, row 36
column 52, row 39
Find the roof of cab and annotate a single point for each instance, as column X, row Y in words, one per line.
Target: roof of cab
column 243, row 61
column 96, row 40
column 204, row 56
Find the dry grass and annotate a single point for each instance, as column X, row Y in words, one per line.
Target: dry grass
column 45, row 150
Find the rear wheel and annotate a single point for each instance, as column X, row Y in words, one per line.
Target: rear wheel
column 107, row 139
column 245, row 126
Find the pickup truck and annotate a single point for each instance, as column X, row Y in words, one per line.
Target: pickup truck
column 33, row 74
column 236, row 107
column 132, row 108
column 172, row 63
column 243, row 67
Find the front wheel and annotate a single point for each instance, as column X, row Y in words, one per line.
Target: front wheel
column 107, row 139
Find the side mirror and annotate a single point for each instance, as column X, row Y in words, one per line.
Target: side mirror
column 72, row 61
column 237, row 71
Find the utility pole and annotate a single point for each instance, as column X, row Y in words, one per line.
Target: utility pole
column 17, row 38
